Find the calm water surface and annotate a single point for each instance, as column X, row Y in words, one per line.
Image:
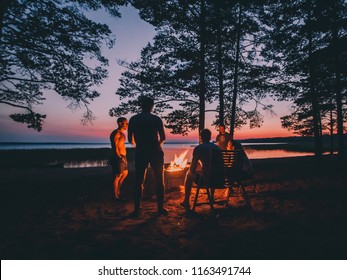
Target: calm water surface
column 170, row 150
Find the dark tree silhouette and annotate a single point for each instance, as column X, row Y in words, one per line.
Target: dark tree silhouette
column 192, row 62
column 51, row 45
column 307, row 42
column 173, row 68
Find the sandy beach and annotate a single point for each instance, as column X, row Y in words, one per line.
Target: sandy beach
column 300, row 212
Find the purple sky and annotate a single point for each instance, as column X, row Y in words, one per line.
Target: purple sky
column 63, row 125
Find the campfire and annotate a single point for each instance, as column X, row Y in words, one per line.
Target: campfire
column 175, row 171
column 179, row 163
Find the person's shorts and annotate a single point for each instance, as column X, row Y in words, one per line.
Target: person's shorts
column 119, row 165
column 153, row 157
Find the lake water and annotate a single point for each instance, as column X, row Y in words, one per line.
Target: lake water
column 170, row 150
column 59, row 145
column 44, row 146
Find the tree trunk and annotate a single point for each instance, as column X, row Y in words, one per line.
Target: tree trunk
column 202, row 92
column 220, row 66
column 317, row 131
column 338, row 95
column 331, row 132
column 236, row 74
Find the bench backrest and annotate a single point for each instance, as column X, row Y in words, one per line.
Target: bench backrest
column 233, row 163
column 232, row 169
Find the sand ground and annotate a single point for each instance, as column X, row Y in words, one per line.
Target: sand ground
column 300, row 212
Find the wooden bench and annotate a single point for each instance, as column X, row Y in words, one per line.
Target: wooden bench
column 233, row 179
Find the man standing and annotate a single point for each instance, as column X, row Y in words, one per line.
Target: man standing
column 146, row 131
column 222, row 138
column 208, row 160
column 118, row 159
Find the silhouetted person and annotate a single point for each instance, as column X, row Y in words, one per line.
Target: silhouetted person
column 208, row 159
column 147, row 132
column 223, row 138
column 247, row 168
column 118, row 160
column 234, row 145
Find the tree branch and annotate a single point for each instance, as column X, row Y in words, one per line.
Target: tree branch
column 178, row 100
column 16, row 105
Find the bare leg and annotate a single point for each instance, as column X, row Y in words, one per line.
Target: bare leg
column 188, row 183
column 157, row 165
column 116, row 185
column 140, row 178
column 160, row 188
column 121, row 179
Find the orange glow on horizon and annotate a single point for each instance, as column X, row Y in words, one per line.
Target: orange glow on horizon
column 262, row 133
column 245, row 133
column 103, row 133
column 99, row 131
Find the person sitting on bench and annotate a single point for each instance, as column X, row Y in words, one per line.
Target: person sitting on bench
column 207, row 164
column 247, row 168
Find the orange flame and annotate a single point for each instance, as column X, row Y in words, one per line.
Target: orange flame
column 179, row 163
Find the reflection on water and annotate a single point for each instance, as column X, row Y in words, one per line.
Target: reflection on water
column 86, row 163
column 280, row 153
column 170, row 152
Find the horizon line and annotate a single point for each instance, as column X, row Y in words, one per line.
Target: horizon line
column 167, row 141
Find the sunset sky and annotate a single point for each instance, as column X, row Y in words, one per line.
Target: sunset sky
column 63, row 125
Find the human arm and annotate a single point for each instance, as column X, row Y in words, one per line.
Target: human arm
column 131, row 137
column 161, row 133
column 195, row 162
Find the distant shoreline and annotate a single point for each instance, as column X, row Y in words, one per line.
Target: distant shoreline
column 290, row 139
column 73, row 145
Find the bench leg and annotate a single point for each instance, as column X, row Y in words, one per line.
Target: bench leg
column 228, row 196
column 245, row 196
column 209, row 195
column 255, row 189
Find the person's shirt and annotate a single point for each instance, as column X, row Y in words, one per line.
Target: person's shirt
column 144, row 129
column 208, row 158
column 247, row 167
column 222, row 140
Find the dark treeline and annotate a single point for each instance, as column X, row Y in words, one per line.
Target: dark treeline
column 308, row 42
column 326, row 141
